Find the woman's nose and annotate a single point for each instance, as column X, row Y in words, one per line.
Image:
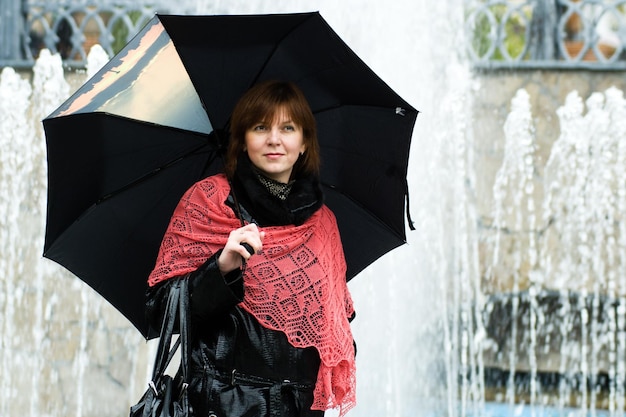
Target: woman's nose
column 274, row 136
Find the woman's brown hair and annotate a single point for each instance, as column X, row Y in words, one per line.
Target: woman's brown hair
column 262, row 103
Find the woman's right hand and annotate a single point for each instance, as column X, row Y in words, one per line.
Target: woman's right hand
column 234, row 253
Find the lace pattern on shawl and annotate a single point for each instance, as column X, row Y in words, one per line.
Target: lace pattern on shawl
column 296, row 284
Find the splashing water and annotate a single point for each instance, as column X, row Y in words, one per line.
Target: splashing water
column 583, row 205
column 96, row 59
column 15, row 169
column 514, row 214
column 425, row 312
column 59, row 345
column 565, row 266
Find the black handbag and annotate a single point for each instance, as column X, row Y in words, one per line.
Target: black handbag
column 167, row 396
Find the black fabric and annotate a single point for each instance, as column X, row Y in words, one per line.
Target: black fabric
column 304, row 199
column 215, row 293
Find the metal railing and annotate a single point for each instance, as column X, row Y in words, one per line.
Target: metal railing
column 517, row 34
column 71, row 28
column 589, row 34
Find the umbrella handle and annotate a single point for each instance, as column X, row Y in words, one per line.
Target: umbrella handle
column 247, row 247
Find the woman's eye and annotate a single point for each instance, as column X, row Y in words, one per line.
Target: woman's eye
column 289, row 128
column 259, row 128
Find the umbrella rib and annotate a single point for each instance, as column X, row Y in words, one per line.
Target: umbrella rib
column 149, row 174
column 361, row 206
column 375, row 159
column 276, row 45
column 264, row 65
column 399, row 110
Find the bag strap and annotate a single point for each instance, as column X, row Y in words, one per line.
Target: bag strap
column 177, row 308
column 236, row 202
column 183, row 340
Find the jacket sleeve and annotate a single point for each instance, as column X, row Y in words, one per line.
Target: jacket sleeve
column 211, row 293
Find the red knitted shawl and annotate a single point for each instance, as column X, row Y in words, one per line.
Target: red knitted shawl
column 296, row 284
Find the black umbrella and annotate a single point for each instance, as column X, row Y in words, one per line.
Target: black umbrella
column 125, row 147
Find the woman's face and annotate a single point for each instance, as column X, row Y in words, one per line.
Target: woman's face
column 274, row 148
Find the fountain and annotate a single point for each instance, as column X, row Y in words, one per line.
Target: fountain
column 556, row 340
column 517, row 314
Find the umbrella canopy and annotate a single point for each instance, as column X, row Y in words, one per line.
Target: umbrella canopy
column 125, row 147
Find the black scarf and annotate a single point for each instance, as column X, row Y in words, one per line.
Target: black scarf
column 304, row 199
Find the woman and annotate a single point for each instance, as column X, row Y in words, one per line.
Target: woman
column 269, row 302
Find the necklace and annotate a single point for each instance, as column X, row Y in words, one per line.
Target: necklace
column 277, row 189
